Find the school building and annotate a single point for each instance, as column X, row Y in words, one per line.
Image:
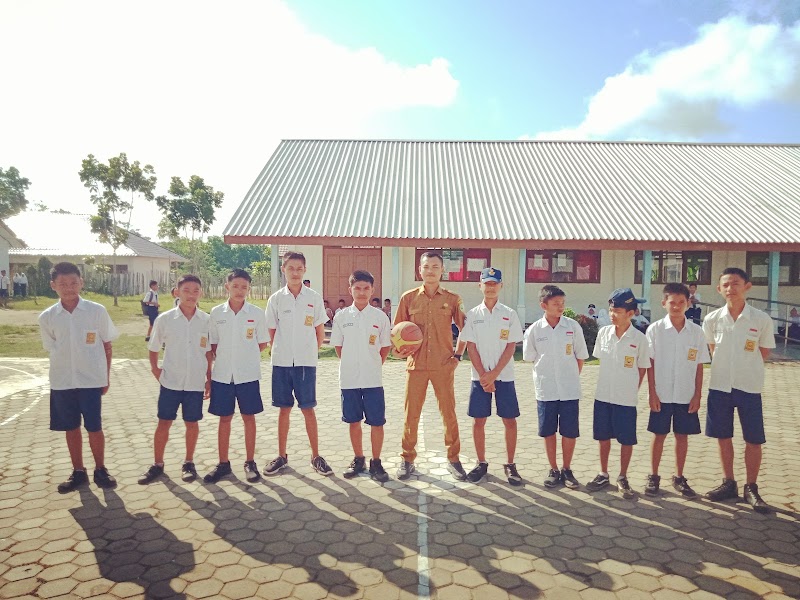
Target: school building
column 587, row 216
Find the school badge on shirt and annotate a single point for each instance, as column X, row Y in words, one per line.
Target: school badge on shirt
column 91, row 336
column 203, row 341
column 309, row 320
column 750, row 346
column 629, row 360
column 504, row 334
column 569, row 349
column 692, row 354
column 250, row 331
column 372, row 339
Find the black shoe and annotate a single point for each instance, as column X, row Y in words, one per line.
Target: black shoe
column 653, row 483
column 513, row 476
column 753, row 498
column 681, row 485
column 376, row 470
column 598, row 483
column 217, row 473
column 77, row 478
column 405, row 470
column 277, row 465
column 457, row 471
column 725, row 491
column 568, row 479
column 251, row 471
column 478, row 473
column 147, row 338
column 189, row 473
column 625, row 488
column 151, row 473
column 321, row 466
column 359, row 465
column 553, row 478
column 103, row 479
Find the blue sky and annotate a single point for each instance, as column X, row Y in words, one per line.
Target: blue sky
column 201, row 87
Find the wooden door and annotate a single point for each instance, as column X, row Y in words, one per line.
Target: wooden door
column 339, row 264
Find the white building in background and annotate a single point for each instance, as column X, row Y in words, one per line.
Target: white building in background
column 8, row 240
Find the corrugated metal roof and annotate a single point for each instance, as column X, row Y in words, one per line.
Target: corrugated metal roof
column 523, row 191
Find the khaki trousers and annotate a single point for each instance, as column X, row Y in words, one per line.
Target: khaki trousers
column 416, row 390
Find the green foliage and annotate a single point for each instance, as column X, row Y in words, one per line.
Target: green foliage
column 12, row 192
column 590, row 329
column 190, row 208
column 39, row 278
column 216, row 258
column 568, row 312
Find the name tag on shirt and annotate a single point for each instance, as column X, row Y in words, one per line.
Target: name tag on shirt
column 569, row 349
column 309, row 320
column 250, row 331
column 372, row 339
column 629, row 362
column 692, row 354
column 203, row 342
column 750, row 346
column 91, row 337
column 504, row 334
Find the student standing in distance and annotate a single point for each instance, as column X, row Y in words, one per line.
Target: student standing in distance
column 340, row 308
column 184, row 376
column 238, row 334
column 491, row 331
column 16, row 280
column 296, row 319
column 23, row 284
column 151, row 303
column 557, row 348
column 432, row 308
column 740, row 338
column 362, row 337
column 387, row 307
column 77, row 334
column 675, row 380
column 624, row 360
column 4, row 283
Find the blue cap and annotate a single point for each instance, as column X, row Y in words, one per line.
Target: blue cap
column 623, row 298
column 491, row 274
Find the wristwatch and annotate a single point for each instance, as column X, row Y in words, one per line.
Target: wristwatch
column 457, row 357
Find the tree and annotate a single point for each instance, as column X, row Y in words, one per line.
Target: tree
column 12, row 192
column 113, row 218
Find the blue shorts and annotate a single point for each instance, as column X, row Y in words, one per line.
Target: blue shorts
column 289, row 383
column 558, row 415
column 152, row 313
column 225, row 395
column 68, row 406
column 191, row 404
column 505, row 395
column 614, row 421
column 683, row 422
column 719, row 415
column 364, row 403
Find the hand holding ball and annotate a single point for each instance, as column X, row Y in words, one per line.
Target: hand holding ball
column 406, row 338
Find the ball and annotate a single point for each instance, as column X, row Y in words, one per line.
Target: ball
column 405, row 334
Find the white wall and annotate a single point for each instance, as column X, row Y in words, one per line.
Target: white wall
column 4, row 246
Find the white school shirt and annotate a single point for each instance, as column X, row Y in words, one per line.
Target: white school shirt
column 17, row 278
column 75, row 343
column 676, row 355
column 3, row 282
column 361, row 334
column 295, row 321
column 237, row 335
column 620, row 361
column 23, row 279
column 150, row 296
column 554, row 352
column 187, row 341
column 491, row 331
column 737, row 361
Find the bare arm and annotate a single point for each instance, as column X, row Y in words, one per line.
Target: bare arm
column 385, row 352
column 642, row 373
column 580, row 365
column 209, row 360
column 655, row 401
column 154, row 365
column 460, row 348
column 320, row 335
column 694, row 403
column 475, row 358
column 765, row 352
column 107, row 348
column 338, row 351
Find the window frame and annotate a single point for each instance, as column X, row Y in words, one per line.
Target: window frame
column 658, row 264
column 794, row 268
column 572, row 255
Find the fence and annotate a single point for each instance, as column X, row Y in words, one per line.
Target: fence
column 136, row 284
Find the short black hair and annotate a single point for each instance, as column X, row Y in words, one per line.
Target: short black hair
column 736, row 271
column 361, row 275
column 153, row 282
column 189, row 278
column 306, row 281
column 378, row 300
column 431, row 254
column 293, row 256
column 239, row 274
column 64, row 268
column 676, row 288
column 550, row 291
column 389, row 300
column 341, row 301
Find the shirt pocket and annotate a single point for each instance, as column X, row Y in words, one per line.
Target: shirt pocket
column 90, row 337
column 415, row 315
column 202, row 342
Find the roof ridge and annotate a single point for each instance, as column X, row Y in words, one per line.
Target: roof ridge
column 571, row 142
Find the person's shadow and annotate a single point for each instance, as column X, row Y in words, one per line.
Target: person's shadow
column 133, row 548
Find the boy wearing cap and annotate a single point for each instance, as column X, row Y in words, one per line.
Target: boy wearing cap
column 741, row 338
column 238, row 332
column 491, row 332
column 675, row 379
column 624, row 360
column 557, row 348
column 361, row 335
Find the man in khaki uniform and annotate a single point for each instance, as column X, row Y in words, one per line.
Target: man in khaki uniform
column 433, row 309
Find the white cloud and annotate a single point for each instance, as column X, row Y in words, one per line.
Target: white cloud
column 188, row 86
column 680, row 94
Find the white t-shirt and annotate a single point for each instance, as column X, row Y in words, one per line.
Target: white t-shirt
column 362, row 335
column 554, row 352
column 75, row 343
column 295, row 321
column 237, row 336
column 187, row 342
column 3, row 282
column 737, row 362
column 620, row 361
column 492, row 331
column 676, row 355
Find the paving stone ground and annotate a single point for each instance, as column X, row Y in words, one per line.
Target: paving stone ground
column 300, row 535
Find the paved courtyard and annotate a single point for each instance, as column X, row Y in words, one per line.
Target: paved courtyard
column 300, row 535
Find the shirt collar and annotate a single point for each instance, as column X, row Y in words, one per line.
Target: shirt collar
column 81, row 305
column 245, row 308
column 421, row 290
column 746, row 312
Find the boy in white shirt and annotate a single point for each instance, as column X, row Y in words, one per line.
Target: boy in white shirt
column 557, row 348
column 238, row 335
column 361, row 335
column 150, row 302
column 184, row 376
column 296, row 319
column 624, row 360
column 491, row 331
column 675, row 380
column 741, row 338
column 77, row 334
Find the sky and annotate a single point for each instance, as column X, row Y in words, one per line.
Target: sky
column 210, row 88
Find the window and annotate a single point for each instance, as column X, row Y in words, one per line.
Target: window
column 121, row 270
column 562, row 266
column 788, row 273
column 676, row 267
column 460, row 264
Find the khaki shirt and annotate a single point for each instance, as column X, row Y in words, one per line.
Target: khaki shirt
column 434, row 317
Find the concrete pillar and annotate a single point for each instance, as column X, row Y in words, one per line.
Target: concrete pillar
column 773, row 280
column 521, row 286
column 647, row 274
column 395, row 279
column 275, row 268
